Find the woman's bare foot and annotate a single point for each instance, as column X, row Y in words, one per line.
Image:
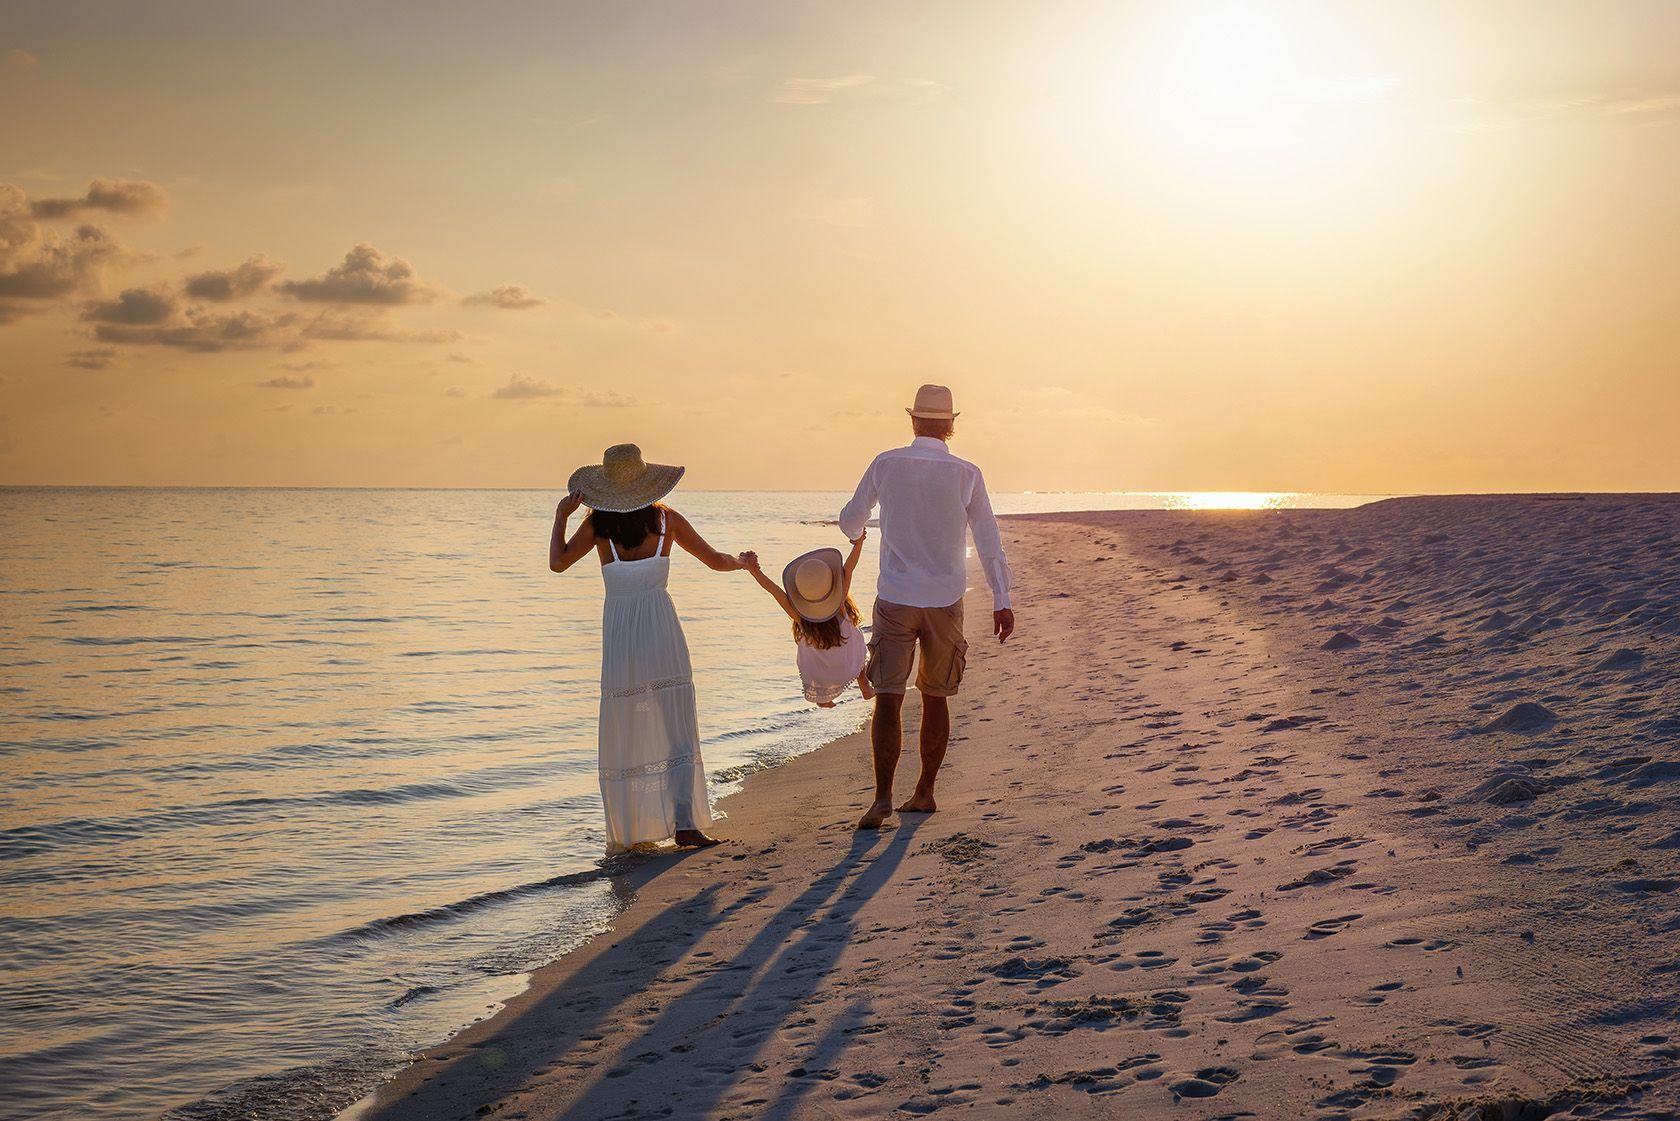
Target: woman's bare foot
column 694, row 839
column 919, row 804
column 877, row 813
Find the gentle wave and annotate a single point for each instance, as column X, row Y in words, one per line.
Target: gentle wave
column 379, row 928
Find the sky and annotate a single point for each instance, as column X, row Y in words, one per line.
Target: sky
column 1357, row 247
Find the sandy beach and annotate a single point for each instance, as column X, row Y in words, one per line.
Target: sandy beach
column 1291, row 814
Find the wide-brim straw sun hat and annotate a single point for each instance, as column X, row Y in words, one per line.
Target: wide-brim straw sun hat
column 623, row 481
column 815, row 584
column 933, row 402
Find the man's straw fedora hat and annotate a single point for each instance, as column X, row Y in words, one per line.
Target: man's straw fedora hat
column 816, row 584
column 623, row 481
column 933, row 402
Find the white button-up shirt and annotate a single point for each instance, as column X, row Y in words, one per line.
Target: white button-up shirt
column 930, row 500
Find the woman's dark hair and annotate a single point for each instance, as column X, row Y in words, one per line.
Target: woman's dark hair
column 627, row 530
column 826, row 634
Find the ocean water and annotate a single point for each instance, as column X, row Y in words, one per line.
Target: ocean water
column 293, row 782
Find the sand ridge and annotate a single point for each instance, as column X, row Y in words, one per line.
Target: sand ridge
column 1192, row 861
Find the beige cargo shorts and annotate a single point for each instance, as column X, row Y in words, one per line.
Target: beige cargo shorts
column 893, row 639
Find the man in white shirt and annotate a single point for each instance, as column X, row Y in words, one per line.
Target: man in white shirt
column 930, row 501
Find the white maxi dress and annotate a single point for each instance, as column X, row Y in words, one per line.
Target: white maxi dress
column 652, row 780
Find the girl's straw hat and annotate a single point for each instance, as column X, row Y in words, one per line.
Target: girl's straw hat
column 816, row 584
column 622, row 482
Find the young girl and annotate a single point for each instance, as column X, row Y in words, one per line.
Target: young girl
column 816, row 594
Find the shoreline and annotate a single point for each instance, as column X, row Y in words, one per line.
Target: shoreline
column 1349, row 939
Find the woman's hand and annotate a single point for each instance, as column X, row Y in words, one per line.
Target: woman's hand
column 569, row 504
column 748, row 560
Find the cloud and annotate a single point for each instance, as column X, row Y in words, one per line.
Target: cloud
column 1655, row 105
column 129, row 198
column 466, row 358
column 1056, row 402
column 1643, row 108
column 856, row 87
column 96, row 359
column 236, row 283
column 21, row 59
column 509, row 297
column 38, row 264
column 302, row 367
column 332, row 410
column 135, row 307
column 206, row 332
column 342, row 326
column 288, row 381
column 522, row 387
column 365, row 276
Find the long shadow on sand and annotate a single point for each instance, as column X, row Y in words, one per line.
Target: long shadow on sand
column 759, row 990
column 770, row 981
column 557, row 1025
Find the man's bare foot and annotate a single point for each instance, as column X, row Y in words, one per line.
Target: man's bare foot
column 919, row 804
column 875, row 815
column 694, row 839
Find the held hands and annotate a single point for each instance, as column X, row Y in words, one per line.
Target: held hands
column 748, row 560
column 858, row 540
column 569, row 504
column 1003, row 624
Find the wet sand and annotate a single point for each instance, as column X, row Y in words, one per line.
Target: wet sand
column 1370, row 813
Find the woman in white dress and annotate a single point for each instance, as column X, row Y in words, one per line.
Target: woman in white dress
column 653, row 783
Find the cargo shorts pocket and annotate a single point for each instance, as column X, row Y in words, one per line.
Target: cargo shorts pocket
column 942, row 669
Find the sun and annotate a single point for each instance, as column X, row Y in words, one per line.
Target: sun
column 1236, row 80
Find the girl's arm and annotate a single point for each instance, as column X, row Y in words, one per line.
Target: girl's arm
column 750, row 562
column 851, row 561
column 692, row 542
column 562, row 554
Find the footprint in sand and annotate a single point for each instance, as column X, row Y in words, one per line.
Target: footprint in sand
column 1325, row 928
column 1205, row 1083
column 1377, row 994
column 1428, row 946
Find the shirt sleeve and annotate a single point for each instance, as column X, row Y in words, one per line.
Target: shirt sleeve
column 855, row 516
column 988, row 545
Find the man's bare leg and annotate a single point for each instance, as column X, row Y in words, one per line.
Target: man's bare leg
column 886, row 740
column 936, row 735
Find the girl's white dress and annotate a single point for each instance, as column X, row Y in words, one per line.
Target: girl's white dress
column 826, row 673
column 652, row 780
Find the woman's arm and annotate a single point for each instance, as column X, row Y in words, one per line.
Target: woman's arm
column 562, row 554
column 749, row 561
column 683, row 534
column 852, row 559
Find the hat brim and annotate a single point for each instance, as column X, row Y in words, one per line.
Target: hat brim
column 817, row 611
column 601, row 493
column 928, row 414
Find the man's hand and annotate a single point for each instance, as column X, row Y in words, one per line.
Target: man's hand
column 569, row 504
column 1003, row 624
